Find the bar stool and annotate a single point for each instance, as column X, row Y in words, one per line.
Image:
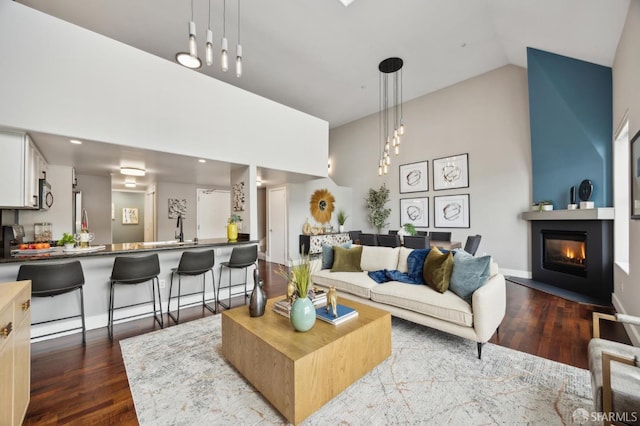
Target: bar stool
column 192, row 263
column 129, row 270
column 52, row 280
column 241, row 258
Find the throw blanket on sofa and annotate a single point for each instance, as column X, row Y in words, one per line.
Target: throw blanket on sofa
column 415, row 262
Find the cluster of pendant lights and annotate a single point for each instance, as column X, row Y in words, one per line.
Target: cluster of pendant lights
column 191, row 59
column 390, row 116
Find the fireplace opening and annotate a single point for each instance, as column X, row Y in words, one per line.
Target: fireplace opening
column 565, row 251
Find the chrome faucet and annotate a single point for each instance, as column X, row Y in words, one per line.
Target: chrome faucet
column 179, row 232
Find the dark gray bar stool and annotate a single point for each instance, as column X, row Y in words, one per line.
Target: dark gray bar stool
column 192, row 263
column 50, row 280
column 129, row 270
column 241, row 258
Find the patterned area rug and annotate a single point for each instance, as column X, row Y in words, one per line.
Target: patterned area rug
column 179, row 377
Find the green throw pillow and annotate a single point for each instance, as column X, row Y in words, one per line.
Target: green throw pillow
column 469, row 274
column 437, row 270
column 346, row 260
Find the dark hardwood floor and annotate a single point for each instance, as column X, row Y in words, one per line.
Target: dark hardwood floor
column 88, row 385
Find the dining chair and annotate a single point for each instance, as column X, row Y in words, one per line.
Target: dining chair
column 416, row 241
column 440, row 236
column 388, row 240
column 471, row 246
column 368, row 239
column 355, row 236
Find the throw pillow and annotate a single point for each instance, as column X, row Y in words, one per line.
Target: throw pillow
column 346, row 260
column 469, row 274
column 402, row 259
column 327, row 254
column 415, row 264
column 437, row 270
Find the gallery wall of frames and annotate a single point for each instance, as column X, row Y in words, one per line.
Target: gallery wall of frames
column 449, row 174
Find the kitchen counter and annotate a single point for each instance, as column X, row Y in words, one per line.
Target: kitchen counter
column 97, row 267
column 124, row 249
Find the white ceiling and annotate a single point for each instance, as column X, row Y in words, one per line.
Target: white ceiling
column 321, row 57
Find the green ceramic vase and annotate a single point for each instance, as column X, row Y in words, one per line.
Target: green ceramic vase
column 303, row 314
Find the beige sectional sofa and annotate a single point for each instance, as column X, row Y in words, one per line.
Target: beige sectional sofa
column 421, row 304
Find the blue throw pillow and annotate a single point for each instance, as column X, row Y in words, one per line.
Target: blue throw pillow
column 415, row 262
column 327, row 254
column 469, row 274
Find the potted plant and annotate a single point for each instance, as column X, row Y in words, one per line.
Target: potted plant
column 342, row 218
column 232, row 227
column 67, row 241
column 376, row 201
column 303, row 314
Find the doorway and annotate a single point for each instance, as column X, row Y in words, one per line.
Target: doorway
column 277, row 226
column 213, row 210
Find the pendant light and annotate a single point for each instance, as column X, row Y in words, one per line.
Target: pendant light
column 224, row 59
column 209, row 47
column 239, row 48
column 390, row 114
column 193, row 47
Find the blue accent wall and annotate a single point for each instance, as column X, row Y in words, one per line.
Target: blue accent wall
column 570, row 108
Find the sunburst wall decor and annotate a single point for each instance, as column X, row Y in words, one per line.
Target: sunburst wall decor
column 321, row 205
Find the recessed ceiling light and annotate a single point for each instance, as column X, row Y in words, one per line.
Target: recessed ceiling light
column 202, row 160
column 75, row 142
column 186, row 60
column 132, row 171
column 346, row 2
column 130, row 184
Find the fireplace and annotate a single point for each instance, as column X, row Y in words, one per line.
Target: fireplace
column 565, row 251
column 575, row 255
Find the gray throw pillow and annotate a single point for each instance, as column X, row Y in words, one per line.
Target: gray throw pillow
column 327, row 254
column 469, row 274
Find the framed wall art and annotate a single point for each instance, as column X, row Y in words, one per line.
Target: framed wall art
column 129, row 215
column 635, row 177
column 414, row 177
column 177, row 207
column 451, row 172
column 451, row 211
column 414, row 211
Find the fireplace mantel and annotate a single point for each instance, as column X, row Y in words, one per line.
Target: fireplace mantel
column 600, row 213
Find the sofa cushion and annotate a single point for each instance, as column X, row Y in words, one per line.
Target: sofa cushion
column 327, row 254
column 346, row 260
column 356, row 283
column 469, row 274
column 423, row 299
column 376, row 258
column 403, row 254
column 437, row 269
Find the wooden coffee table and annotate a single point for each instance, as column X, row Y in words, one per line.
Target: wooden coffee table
column 300, row 372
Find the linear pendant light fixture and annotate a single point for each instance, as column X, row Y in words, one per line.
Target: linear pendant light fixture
column 390, row 115
column 191, row 59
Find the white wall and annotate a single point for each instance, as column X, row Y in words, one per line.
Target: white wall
column 62, row 79
column 486, row 117
column 96, row 198
column 626, row 87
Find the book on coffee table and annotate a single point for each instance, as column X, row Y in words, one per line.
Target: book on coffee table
column 345, row 313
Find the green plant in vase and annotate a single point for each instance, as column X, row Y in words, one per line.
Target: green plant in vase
column 342, row 218
column 376, row 201
column 303, row 314
column 409, row 229
column 67, row 241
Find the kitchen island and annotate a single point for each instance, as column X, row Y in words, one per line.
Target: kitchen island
column 97, row 267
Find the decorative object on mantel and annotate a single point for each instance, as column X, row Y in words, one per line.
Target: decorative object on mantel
column 232, row 227
column 542, row 206
column 572, row 199
column 342, row 218
column 321, row 205
column 258, row 299
column 238, row 197
column 585, row 190
column 390, row 138
column 177, row 208
column 451, row 172
column 376, row 201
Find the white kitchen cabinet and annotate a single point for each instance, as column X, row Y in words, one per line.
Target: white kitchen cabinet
column 21, row 167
